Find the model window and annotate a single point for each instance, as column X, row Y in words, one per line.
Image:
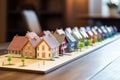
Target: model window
column 37, row 54
column 61, row 50
column 43, row 55
column 49, row 49
column 65, row 43
column 26, row 54
column 19, row 52
column 49, row 54
column 30, row 54
column 56, row 49
column 43, row 47
column 38, row 48
column 28, row 47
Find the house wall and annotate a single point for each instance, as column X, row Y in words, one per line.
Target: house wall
column 62, row 48
column 43, row 51
column 65, row 46
column 28, row 51
column 55, row 52
column 14, row 53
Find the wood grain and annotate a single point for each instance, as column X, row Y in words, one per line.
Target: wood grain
column 91, row 66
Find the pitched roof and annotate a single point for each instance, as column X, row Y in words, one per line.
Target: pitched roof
column 45, row 33
column 84, row 34
column 90, row 33
column 60, row 38
column 108, row 29
column 70, row 37
column 33, row 38
column 34, row 41
column 82, row 29
column 68, row 30
column 32, row 35
column 103, row 29
column 51, row 41
column 17, row 43
column 60, row 31
column 76, row 34
column 94, row 31
column 99, row 30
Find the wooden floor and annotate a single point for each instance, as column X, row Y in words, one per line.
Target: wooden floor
column 102, row 64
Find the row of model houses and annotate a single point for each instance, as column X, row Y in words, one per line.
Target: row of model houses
column 50, row 45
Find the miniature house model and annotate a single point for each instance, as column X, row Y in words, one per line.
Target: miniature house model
column 17, row 47
column 61, row 38
column 33, row 41
column 48, row 48
column 45, row 33
column 76, row 34
column 84, row 34
column 71, row 42
column 82, row 31
column 68, row 30
column 24, row 45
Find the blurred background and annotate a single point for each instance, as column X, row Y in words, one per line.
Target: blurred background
column 53, row 14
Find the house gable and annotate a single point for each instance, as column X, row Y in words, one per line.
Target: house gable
column 59, row 38
column 17, row 43
column 60, row 31
column 28, row 50
column 44, row 50
column 43, row 43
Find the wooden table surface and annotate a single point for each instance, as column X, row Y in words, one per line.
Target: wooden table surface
column 102, row 64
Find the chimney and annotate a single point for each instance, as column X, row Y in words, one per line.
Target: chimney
column 35, row 38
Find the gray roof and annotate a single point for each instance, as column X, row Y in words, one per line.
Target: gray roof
column 70, row 37
column 51, row 41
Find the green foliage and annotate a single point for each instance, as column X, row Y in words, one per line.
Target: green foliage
column 80, row 45
column 111, row 5
column 87, row 42
column 99, row 39
column 23, row 60
column 9, row 58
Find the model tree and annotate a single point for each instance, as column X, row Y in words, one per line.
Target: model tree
column 80, row 45
column 87, row 43
column 99, row 39
column 23, row 61
column 94, row 39
column 9, row 58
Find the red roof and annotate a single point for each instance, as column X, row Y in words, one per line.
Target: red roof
column 17, row 43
